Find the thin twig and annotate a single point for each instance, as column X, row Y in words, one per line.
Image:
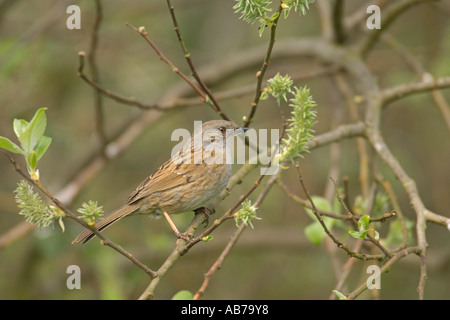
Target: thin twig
column 114, row 96
column 16, row 232
column 227, row 215
column 305, row 203
column 340, row 244
column 370, row 238
column 98, row 101
column 260, row 74
column 218, row 263
column 349, row 98
column 69, row 214
column 346, row 269
column 394, row 93
column 162, row 57
column 390, row 14
column 230, row 244
column 385, row 268
column 194, row 72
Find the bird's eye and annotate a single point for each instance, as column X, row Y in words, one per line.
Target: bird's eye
column 222, row 129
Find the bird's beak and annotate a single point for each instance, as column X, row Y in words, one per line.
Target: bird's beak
column 243, row 129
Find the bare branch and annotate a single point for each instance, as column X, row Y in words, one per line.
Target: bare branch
column 195, row 74
column 260, row 74
column 428, row 84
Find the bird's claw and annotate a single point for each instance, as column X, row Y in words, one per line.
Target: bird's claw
column 186, row 236
column 207, row 213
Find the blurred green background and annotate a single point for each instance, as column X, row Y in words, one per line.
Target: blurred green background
column 38, row 68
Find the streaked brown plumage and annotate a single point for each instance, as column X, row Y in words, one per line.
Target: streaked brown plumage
column 182, row 183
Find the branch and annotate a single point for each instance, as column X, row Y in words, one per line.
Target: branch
column 99, row 117
column 389, row 16
column 177, row 252
column 109, row 94
column 340, row 244
column 324, row 11
column 360, row 15
column 230, row 244
column 16, row 232
column 218, row 263
column 162, row 57
column 338, row 12
column 227, row 215
column 342, row 132
column 370, row 238
column 260, row 74
column 69, row 214
column 377, row 141
column 428, row 84
column 385, row 268
column 187, row 56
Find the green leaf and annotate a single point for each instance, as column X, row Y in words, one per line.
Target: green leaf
column 183, row 295
column 314, row 232
column 339, row 295
column 207, row 238
column 19, row 126
column 363, row 223
column 32, row 161
column 7, row 144
column 377, row 235
column 261, row 30
column 355, row 234
column 274, row 16
column 34, row 131
column 42, row 146
column 61, row 224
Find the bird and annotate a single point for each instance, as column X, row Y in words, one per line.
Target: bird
column 188, row 181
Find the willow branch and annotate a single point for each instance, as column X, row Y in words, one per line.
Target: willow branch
column 69, row 214
column 92, row 59
column 227, row 215
column 162, row 57
column 385, row 268
column 370, row 238
column 230, row 244
column 194, row 72
column 260, row 74
column 338, row 13
column 390, row 14
column 428, row 84
column 107, row 93
column 340, row 244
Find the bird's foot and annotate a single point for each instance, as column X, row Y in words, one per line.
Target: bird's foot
column 207, row 213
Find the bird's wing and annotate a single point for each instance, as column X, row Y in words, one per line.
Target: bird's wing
column 166, row 177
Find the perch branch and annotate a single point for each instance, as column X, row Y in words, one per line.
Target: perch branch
column 69, row 214
column 230, row 244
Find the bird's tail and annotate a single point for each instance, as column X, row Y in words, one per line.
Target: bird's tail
column 114, row 216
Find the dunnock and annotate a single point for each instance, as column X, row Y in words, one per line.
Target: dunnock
column 196, row 174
